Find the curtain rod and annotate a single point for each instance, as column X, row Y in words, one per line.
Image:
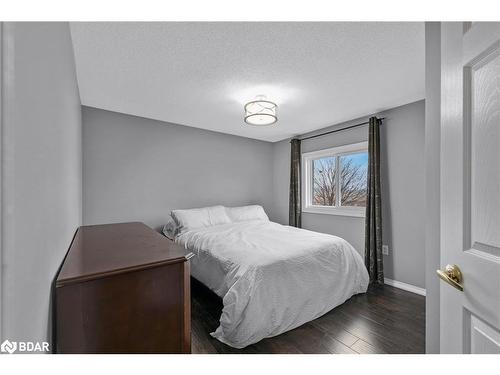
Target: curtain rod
column 337, row 130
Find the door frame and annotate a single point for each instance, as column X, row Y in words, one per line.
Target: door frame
column 1, row 176
column 432, row 193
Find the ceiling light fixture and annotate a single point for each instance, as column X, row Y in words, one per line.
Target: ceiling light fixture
column 260, row 112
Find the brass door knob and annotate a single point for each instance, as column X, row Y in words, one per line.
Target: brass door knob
column 452, row 275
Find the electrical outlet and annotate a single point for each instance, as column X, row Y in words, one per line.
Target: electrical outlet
column 385, row 250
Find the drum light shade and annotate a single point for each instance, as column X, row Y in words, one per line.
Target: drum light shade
column 260, row 112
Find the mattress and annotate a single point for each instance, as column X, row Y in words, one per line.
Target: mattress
column 272, row 278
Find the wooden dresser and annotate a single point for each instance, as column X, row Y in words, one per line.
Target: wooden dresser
column 123, row 288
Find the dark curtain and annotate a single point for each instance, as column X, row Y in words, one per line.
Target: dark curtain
column 294, row 210
column 373, row 224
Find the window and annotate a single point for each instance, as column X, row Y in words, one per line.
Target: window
column 334, row 180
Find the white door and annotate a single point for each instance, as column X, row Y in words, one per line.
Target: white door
column 470, row 186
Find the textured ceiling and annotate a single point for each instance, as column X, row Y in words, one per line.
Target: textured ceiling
column 201, row 74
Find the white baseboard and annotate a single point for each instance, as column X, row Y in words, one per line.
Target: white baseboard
column 404, row 286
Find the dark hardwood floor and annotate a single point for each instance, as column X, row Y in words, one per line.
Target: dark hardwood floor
column 384, row 320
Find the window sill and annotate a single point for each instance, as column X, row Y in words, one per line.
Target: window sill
column 344, row 211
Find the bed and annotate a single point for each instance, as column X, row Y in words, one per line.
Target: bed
column 271, row 277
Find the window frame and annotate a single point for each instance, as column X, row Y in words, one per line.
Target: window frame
column 307, row 178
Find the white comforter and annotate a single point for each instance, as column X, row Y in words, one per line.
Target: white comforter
column 272, row 278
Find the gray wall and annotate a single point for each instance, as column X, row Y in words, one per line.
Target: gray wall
column 41, row 170
column 140, row 169
column 432, row 181
column 402, row 141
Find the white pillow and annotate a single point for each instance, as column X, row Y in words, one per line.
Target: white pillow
column 246, row 213
column 187, row 220
column 171, row 229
